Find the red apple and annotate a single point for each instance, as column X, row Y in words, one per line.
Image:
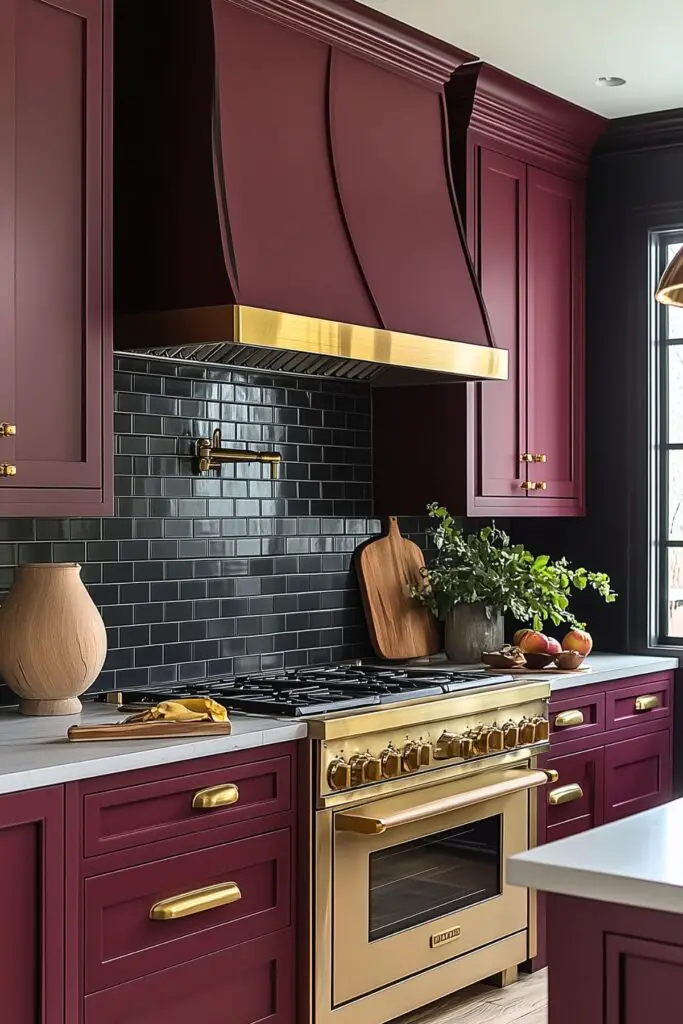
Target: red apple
column 578, row 640
column 519, row 634
column 554, row 646
column 533, row 642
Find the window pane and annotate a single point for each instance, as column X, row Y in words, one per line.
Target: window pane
column 675, row 591
column 675, row 495
column 675, row 394
column 674, row 314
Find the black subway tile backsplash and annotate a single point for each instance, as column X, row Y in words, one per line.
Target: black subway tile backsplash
column 228, row 573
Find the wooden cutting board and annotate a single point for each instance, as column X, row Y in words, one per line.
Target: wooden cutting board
column 399, row 627
column 153, row 730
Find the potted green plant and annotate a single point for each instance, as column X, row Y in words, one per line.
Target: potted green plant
column 473, row 580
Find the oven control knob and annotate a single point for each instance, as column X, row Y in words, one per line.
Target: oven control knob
column 410, row 761
column 447, row 745
column 510, row 735
column 527, row 731
column 542, row 729
column 358, row 765
column 339, row 774
column 467, row 747
column 425, row 754
column 391, row 763
column 373, row 769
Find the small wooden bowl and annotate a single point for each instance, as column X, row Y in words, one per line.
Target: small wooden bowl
column 569, row 660
column 494, row 659
column 537, row 661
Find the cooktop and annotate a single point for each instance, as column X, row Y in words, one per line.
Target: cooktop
column 314, row 691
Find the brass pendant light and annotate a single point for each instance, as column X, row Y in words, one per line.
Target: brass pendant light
column 670, row 288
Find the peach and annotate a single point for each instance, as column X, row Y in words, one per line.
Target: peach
column 578, row 640
column 534, row 642
column 554, row 646
column 519, row 634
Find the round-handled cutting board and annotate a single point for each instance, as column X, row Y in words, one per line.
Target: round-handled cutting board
column 399, row 627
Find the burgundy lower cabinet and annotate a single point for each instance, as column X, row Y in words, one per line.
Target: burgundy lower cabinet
column 161, row 895
column 32, row 902
column 612, row 747
column 612, row 964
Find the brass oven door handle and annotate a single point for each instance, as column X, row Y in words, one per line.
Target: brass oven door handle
column 196, row 902
column 366, row 824
column 648, row 702
column 566, row 719
column 215, row 796
column 565, row 794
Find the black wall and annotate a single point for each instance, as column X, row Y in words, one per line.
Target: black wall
column 203, row 576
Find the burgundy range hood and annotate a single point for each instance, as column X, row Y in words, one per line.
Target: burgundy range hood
column 283, row 193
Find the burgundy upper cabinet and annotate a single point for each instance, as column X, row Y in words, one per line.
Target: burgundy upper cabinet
column 519, row 158
column 55, row 338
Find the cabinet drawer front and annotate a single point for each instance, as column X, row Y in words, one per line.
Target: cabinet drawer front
column 574, row 717
column 125, row 944
column 637, row 774
column 646, row 700
column 252, row 982
column 575, row 802
column 134, row 815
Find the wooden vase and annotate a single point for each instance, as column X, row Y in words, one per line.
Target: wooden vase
column 52, row 639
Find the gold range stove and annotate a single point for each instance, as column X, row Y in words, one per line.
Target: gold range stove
column 416, row 807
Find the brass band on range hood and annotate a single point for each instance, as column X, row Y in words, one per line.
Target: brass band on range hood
column 202, row 334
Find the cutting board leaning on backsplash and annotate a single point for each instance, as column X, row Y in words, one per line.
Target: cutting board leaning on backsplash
column 399, row 627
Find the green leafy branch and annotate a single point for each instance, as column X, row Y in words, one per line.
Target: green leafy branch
column 487, row 568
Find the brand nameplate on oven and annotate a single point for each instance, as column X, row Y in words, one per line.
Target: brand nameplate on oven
column 439, row 938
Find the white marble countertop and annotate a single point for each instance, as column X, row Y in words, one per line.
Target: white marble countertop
column 35, row 752
column 636, row 862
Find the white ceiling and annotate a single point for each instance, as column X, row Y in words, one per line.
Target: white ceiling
column 564, row 45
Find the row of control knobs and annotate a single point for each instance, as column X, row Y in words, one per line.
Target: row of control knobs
column 361, row 769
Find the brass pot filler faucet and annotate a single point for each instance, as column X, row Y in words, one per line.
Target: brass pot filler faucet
column 211, row 455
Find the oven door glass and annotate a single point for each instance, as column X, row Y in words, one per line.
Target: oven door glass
column 439, row 874
column 410, row 889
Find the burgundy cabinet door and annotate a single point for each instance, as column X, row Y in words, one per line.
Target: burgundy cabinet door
column 575, row 803
column 56, row 348
column 643, row 979
column 637, row 774
column 555, row 338
column 32, row 901
column 500, row 247
column 248, row 983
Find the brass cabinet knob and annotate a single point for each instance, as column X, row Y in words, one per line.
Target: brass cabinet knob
column 7, row 430
column 541, row 485
column 648, row 702
column 425, row 754
column 6, row 470
column 565, row 794
column 339, row 774
column 533, row 457
column 411, row 757
column 567, row 719
column 358, row 765
column 391, row 763
column 373, row 769
column 539, row 458
column 526, row 457
column 528, row 485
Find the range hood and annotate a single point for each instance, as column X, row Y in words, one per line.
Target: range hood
column 283, row 194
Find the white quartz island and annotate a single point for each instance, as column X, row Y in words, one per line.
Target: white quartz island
column 614, row 903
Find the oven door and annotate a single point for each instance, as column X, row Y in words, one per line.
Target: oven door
column 418, row 878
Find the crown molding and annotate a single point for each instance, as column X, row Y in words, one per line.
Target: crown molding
column 366, row 33
column 524, row 118
column 662, row 129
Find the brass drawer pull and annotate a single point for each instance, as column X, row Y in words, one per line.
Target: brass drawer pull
column 566, row 719
column 565, row 794
column 215, row 796
column 648, row 702
column 6, row 470
column 189, row 903
column 7, row 430
column 531, row 485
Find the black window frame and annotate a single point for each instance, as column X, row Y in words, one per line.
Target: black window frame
column 661, row 447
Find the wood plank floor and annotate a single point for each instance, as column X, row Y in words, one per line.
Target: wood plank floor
column 525, row 1002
